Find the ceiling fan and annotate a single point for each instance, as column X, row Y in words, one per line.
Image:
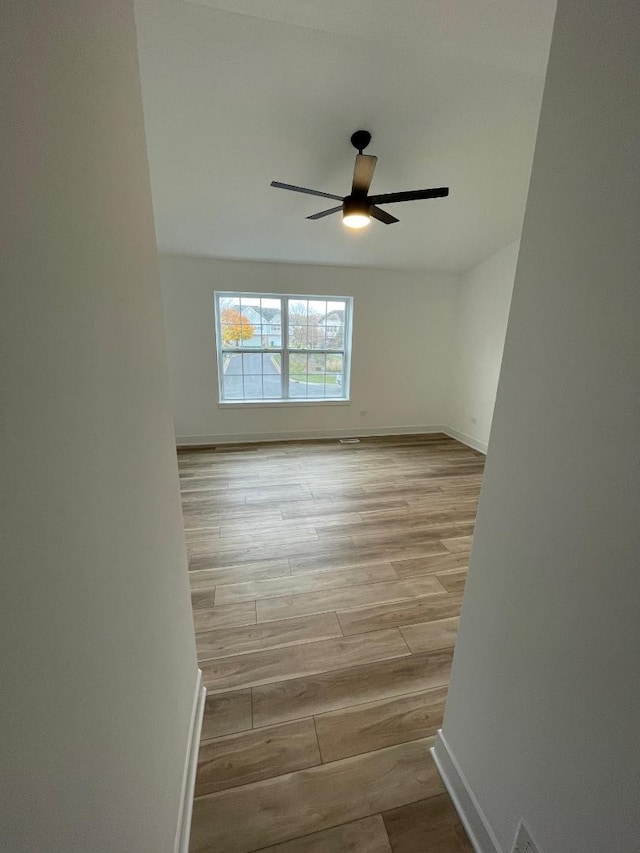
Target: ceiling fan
column 358, row 207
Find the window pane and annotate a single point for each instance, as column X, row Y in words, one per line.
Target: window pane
column 336, row 313
column 317, row 308
column 316, row 375
column 335, row 337
column 334, row 383
column 298, row 337
column 252, row 364
column 297, row 363
column 227, row 302
column 252, row 376
column 271, row 315
column 236, row 328
column 316, row 368
column 271, row 382
column 297, row 385
column 253, row 387
column 255, row 339
column 232, row 381
column 298, row 311
column 316, row 320
column 316, row 334
column 298, row 315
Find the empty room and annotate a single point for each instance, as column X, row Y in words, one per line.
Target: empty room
column 320, row 469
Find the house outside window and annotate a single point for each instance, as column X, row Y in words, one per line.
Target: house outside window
column 277, row 347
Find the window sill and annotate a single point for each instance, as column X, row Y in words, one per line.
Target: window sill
column 276, row 404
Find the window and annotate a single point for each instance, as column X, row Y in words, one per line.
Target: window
column 273, row 347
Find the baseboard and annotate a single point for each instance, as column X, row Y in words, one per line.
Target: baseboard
column 363, row 432
column 191, row 765
column 471, row 815
column 469, row 440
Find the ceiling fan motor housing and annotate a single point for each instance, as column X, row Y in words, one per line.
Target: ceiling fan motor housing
column 354, row 205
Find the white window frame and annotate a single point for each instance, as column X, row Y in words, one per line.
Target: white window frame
column 284, row 350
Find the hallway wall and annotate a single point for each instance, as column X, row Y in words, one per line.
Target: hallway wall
column 98, row 657
column 483, row 297
column 542, row 715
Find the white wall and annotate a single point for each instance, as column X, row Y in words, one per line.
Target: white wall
column 544, row 707
column 98, row 660
column 482, row 310
column 402, row 336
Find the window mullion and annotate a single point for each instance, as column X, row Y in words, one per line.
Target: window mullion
column 285, row 349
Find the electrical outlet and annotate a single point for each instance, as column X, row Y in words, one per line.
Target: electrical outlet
column 524, row 842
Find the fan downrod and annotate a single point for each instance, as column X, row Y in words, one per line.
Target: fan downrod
column 360, row 139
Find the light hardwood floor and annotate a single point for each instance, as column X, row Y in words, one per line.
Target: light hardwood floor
column 326, row 585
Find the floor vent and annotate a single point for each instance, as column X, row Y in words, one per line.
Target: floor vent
column 349, row 441
column 524, row 842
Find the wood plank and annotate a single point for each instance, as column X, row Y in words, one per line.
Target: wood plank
column 453, row 581
column 361, row 836
column 324, row 796
column 228, row 616
column 425, row 609
column 202, row 598
column 255, row 551
column 458, row 544
column 255, row 525
column 267, row 635
column 428, row 825
column 255, row 668
column 413, row 551
column 208, row 578
column 428, row 565
column 436, row 534
column 249, row 756
column 244, row 513
column 427, row 636
column 210, row 532
column 226, row 713
column 317, row 694
column 344, row 598
column 270, row 494
column 425, row 586
column 363, row 728
column 312, row 582
column 408, row 523
column 352, row 558
column 405, row 489
column 362, row 556
column 273, row 538
column 328, row 507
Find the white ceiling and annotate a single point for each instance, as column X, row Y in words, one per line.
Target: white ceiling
column 238, row 93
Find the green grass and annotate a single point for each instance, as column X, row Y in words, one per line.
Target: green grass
column 319, row 379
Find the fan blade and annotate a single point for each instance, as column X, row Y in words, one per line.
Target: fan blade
column 411, row 195
column 382, row 215
column 325, row 212
column 304, row 190
column 363, row 173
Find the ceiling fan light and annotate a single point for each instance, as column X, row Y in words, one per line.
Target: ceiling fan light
column 356, row 220
column 355, row 212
